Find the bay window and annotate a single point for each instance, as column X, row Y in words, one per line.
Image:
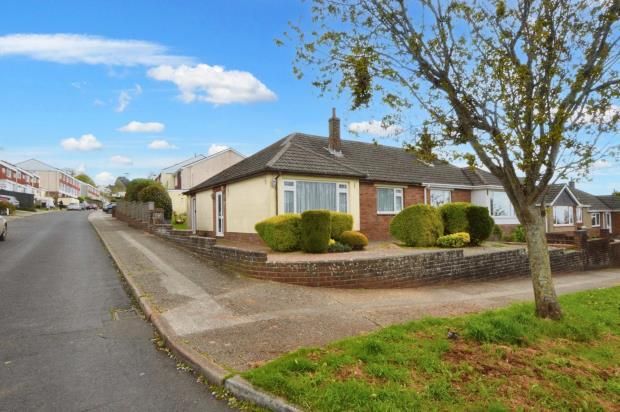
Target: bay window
column 579, row 212
column 596, row 219
column 440, row 197
column 500, row 205
column 563, row 215
column 302, row 195
column 389, row 200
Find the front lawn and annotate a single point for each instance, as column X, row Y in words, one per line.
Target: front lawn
column 502, row 360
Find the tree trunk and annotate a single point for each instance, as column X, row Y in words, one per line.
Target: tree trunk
column 547, row 305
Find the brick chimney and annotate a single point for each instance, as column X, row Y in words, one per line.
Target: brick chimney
column 334, row 143
column 571, row 184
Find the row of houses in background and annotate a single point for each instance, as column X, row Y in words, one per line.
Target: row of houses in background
column 227, row 196
column 36, row 183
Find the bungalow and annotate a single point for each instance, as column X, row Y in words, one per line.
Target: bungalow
column 372, row 182
column 569, row 209
column 182, row 176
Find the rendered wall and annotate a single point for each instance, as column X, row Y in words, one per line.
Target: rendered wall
column 248, row 202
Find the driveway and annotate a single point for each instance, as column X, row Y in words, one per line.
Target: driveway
column 241, row 322
column 69, row 337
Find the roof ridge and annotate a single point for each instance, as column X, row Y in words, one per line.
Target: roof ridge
column 285, row 146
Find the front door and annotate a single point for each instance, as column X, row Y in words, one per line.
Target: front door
column 219, row 214
column 608, row 221
column 193, row 212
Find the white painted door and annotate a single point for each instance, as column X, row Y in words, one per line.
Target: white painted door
column 608, row 221
column 219, row 214
column 193, row 212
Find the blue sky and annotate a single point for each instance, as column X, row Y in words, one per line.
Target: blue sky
column 65, row 98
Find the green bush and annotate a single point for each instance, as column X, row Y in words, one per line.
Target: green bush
column 337, row 247
column 498, row 234
column 458, row 239
column 417, row 225
column 341, row 222
column 281, row 233
column 157, row 194
column 315, row 231
column 454, row 216
column 135, row 187
column 4, row 205
column 518, row 235
column 480, row 224
column 357, row 240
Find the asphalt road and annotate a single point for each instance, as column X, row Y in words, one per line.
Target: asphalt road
column 67, row 341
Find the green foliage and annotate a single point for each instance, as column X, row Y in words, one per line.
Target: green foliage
column 480, row 224
column 357, row 240
column 458, row 239
column 4, row 205
column 86, row 179
column 281, row 233
column 424, row 147
column 518, row 234
column 315, row 231
column 341, row 222
column 454, row 216
column 156, row 193
column 135, row 187
column 337, row 247
column 414, row 366
column 417, row 225
column 497, row 234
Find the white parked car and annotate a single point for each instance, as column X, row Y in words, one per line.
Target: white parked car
column 4, row 228
column 74, row 206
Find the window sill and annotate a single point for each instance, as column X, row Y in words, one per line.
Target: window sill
column 563, row 225
column 387, row 213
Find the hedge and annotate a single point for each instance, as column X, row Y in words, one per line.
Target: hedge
column 454, row 216
column 157, row 194
column 315, row 231
column 357, row 240
column 281, row 233
column 458, row 239
column 341, row 222
column 417, row 225
column 480, row 224
column 135, row 187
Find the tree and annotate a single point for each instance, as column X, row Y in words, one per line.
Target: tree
column 134, row 187
column 157, row 194
column 424, row 148
column 530, row 85
column 86, row 179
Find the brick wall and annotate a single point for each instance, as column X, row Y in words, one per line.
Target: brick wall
column 460, row 195
column 615, row 223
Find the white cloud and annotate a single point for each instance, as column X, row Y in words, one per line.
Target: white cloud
column 213, row 84
column 215, row 148
column 125, row 97
column 85, row 143
column 81, row 168
column 143, row 127
column 121, row 160
column 78, row 85
column 77, row 48
column 98, row 102
column 161, row 144
column 104, row 178
column 374, row 128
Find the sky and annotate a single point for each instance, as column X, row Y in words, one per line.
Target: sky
column 128, row 88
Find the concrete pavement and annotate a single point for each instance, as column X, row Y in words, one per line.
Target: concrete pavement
column 241, row 322
column 70, row 339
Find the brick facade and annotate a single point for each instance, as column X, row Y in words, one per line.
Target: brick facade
column 461, row 195
column 615, row 223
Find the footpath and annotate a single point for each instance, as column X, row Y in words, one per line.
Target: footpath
column 222, row 323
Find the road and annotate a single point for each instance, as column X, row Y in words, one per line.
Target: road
column 68, row 338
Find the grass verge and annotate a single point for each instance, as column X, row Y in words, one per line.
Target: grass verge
column 179, row 226
column 504, row 359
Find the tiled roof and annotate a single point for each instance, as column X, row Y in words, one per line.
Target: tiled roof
column 307, row 154
column 612, row 201
column 608, row 202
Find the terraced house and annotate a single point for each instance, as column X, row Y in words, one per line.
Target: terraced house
column 371, row 182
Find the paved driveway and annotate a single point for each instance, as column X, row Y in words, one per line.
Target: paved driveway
column 69, row 339
column 241, row 322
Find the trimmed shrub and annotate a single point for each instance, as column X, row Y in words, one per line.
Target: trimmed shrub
column 337, row 247
column 480, row 224
column 497, row 234
column 458, row 239
column 281, row 233
column 417, row 225
column 157, row 194
column 341, row 222
column 357, row 240
column 315, row 231
column 518, row 235
column 4, row 205
column 135, row 187
column 454, row 216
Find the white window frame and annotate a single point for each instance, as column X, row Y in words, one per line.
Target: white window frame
column 397, row 192
column 571, row 219
column 511, row 209
column 579, row 214
column 430, row 197
column 596, row 216
column 341, row 187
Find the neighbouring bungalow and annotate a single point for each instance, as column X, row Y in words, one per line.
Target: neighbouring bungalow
column 182, row 176
column 569, row 209
column 372, row 182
